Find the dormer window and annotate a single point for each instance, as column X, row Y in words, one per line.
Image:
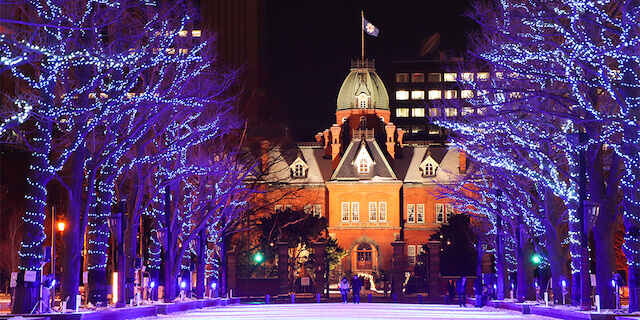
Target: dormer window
column 299, row 169
column 364, row 166
column 429, row 170
column 363, row 160
column 363, row 101
column 429, row 166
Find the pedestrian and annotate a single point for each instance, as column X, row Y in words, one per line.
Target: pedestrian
column 344, row 289
column 451, row 289
column 356, row 285
column 385, row 287
column 460, row 287
column 485, row 295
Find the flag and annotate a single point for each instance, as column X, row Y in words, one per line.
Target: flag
column 369, row 28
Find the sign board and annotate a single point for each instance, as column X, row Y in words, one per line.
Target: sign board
column 593, row 280
column 30, row 276
column 85, row 277
column 14, row 279
column 305, row 281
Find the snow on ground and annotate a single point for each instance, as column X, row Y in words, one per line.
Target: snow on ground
column 334, row 311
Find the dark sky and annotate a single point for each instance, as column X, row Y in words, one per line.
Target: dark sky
column 310, row 45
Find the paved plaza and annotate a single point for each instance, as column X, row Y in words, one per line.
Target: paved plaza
column 350, row 311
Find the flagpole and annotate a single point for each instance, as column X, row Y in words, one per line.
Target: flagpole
column 362, row 31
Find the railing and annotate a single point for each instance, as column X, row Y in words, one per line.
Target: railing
column 363, row 64
column 312, row 144
column 358, row 134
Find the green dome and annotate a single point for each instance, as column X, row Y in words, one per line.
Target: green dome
column 362, row 79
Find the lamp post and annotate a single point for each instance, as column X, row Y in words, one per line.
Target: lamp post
column 117, row 228
column 60, row 226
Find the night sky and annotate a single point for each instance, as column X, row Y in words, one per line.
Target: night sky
column 310, row 45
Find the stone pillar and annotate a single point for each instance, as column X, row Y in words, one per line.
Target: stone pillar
column 319, row 265
column 398, row 268
column 232, row 272
column 390, row 128
column 319, row 137
column 327, row 150
column 335, row 145
column 283, row 268
column 434, row 271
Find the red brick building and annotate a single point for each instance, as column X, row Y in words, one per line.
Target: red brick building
column 373, row 187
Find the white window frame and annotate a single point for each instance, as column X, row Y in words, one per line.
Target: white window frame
column 317, row 210
column 439, row 213
column 288, row 206
column 382, row 211
column 411, row 213
column 373, row 211
column 355, row 211
column 448, row 211
column 364, row 166
column 411, row 254
column 298, row 171
column 429, row 170
column 420, row 213
column 345, row 212
column 307, row 208
column 278, row 207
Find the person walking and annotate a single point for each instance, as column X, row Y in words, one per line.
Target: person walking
column 451, row 290
column 344, row 289
column 460, row 288
column 356, row 285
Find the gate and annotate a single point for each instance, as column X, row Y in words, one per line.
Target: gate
column 418, row 282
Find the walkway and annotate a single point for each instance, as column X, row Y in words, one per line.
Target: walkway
column 333, row 311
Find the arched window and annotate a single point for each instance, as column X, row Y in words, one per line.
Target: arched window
column 364, row 256
column 364, row 166
column 363, row 123
column 429, row 170
column 298, row 172
column 363, row 101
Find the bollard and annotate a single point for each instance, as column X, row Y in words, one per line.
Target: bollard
column 318, row 297
column 78, row 302
column 597, row 298
column 293, row 298
column 369, row 298
column 266, row 298
column 419, row 299
column 395, row 298
column 546, row 298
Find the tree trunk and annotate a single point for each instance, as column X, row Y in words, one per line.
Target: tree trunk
column 604, row 235
column 557, row 262
column 27, row 294
column 530, row 290
column 98, row 242
column 73, row 234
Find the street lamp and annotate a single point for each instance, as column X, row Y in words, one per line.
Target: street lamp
column 117, row 228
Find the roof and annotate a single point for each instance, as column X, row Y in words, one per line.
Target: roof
column 408, row 167
column 363, row 80
column 379, row 171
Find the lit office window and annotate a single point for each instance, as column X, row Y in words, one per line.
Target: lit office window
column 435, row 94
column 450, row 112
column 417, row 77
column 435, row 77
column 482, row 76
column 466, row 76
column 417, row 128
column 434, row 129
column 466, row 94
column 402, row 112
column 402, row 77
column 417, row 94
column 411, row 213
column 450, row 94
column 417, row 112
column 434, row 112
column 382, row 211
column 466, row 111
column 402, row 95
column 450, row 77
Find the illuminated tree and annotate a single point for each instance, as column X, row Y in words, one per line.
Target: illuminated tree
column 579, row 58
column 99, row 84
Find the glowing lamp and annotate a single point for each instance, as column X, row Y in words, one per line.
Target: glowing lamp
column 564, row 283
column 152, row 284
column 183, row 284
column 61, row 226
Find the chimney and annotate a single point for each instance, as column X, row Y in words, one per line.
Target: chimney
column 463, row 161
column 335, row 144
column 327, row 151
column 319, row 137
column 390, row 128
column 264, row 147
